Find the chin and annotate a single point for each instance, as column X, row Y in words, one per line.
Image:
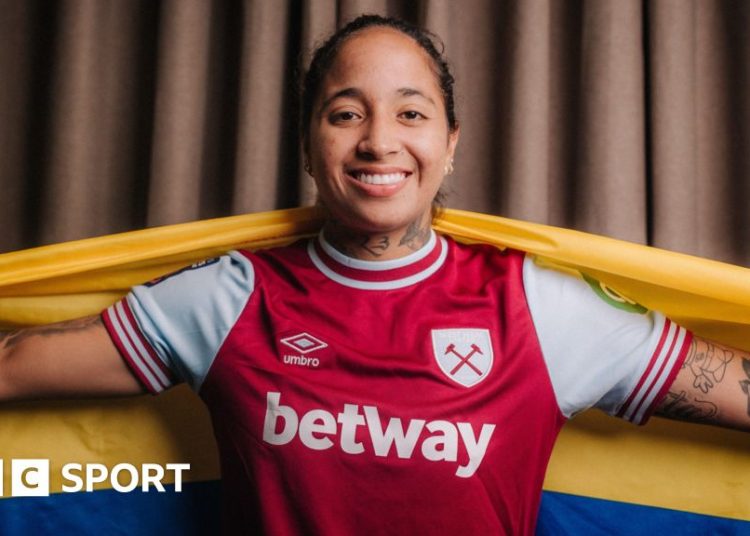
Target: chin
column 375, row 217
column 370, row 223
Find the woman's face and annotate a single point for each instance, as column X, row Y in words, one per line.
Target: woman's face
column 378, row 140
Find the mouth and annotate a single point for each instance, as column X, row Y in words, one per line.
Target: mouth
column 379, row 179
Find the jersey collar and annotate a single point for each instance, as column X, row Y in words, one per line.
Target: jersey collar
column 378, row 275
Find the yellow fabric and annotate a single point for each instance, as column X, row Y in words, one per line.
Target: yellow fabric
column 665, row 464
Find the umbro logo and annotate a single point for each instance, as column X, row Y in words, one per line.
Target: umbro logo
column 303, row 345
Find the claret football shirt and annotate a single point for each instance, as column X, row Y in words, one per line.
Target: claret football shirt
column 413, row 396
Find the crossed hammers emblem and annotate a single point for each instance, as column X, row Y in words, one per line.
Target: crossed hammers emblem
column 464, row 359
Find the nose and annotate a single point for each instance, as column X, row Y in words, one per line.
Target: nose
column 380, row 137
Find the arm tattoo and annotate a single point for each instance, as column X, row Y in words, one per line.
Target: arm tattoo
column 416, row 236
column 708, row 364
column 678, row 406
column 10, row 339
column 745, row 384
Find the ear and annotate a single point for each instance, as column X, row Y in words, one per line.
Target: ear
column 453, row 141
column 306, row 157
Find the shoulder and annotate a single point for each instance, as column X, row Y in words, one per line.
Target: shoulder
column 488, row 255
column 291, row 253
column 234, row 269
column 177, row 322
column 281, row 265
column 601, row 348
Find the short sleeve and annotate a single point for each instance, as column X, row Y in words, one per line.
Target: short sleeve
column 601, row 349
column 169, row 330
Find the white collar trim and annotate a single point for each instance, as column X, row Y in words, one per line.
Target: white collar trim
column 382, row 285
column 375, row 266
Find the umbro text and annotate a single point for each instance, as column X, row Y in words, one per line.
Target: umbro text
column 317, row 427
column 301, row 360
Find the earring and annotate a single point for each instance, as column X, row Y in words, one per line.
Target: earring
column 449, row 167
column 308, row 168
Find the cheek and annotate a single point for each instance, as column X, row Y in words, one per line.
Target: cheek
column 328, row 158
column 431, row 152
column 332, row 150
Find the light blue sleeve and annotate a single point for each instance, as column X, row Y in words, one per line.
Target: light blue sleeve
column 178, row 323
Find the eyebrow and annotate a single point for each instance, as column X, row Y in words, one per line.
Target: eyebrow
column 346, row 92
column 357, row 93
column 411, row 92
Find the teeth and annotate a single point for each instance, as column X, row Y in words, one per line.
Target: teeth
column 390, row 178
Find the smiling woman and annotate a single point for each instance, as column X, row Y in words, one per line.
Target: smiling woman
column 380, row 378
column 380, row 135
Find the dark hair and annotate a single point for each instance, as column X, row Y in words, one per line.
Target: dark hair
column 325, row 54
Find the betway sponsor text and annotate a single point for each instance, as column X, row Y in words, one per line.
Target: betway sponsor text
column 318, row 429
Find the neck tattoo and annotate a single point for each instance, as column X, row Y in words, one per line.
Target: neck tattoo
column 376, row 246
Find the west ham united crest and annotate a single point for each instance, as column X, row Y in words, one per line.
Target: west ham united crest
column 464, row 355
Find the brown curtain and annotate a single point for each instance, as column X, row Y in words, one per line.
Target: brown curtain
column 623, row 117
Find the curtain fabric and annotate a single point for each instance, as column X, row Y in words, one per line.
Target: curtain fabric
column 622, row 117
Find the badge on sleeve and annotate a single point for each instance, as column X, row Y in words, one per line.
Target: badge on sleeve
column 464, row 355
column 612, row 297
column 196, row 266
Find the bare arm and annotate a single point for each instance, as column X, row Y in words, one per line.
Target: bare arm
column 69, row 359
column 713, row 387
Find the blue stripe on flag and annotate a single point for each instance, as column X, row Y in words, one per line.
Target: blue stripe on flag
column 194, row 511
column 562, row 514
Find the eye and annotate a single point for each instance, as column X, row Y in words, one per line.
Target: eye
column 412, row 115
column 344, row 116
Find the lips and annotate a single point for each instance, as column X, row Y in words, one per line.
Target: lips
column 380, row 178
column 378, row 182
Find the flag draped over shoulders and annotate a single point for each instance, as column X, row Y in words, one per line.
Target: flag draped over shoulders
column 603, row 472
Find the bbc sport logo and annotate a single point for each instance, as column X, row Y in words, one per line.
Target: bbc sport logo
column 31, row 477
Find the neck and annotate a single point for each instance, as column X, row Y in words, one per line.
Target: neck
column 378, row 246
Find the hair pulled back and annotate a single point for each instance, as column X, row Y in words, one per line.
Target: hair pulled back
column 325, row 54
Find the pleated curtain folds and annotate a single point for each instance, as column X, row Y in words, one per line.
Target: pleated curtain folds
column 628, row 118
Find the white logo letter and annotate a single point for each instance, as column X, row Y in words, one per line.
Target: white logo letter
column 115, row 478
column 273, row 411
column 394, row 432
column 349, row 420
column 178, row 468
column 317, row 421
column 476, row 449
column 443, row 445
column 30, row 478
column 95, row 473
column 155, row 478
column 67, row 473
